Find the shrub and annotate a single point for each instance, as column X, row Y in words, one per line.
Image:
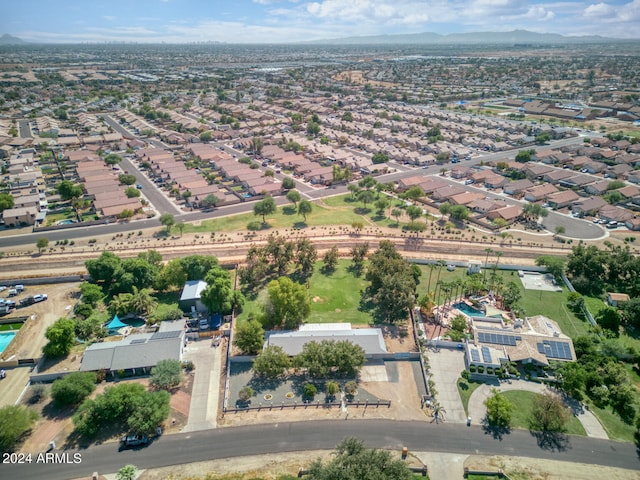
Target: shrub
column 38, row 392
column 254, row 226
column 245, row 394
column 74, row 388
column 351, row 388
column 472, row 368
column 465, row 374
column 489, row 371
column 332, row 388
column 166, row 375
column 309, row 390
column 480, row 369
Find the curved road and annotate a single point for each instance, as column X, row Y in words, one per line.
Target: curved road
column 300, row 436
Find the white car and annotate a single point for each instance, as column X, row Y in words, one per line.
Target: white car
column 40, row 297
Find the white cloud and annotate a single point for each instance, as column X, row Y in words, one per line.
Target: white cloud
column 599, row 10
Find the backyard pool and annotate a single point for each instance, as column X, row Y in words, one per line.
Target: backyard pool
column 466, row 309
column 135, row 322
column 66, row 222
column 5, row 339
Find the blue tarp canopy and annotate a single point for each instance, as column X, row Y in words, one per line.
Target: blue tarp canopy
column 115, row 324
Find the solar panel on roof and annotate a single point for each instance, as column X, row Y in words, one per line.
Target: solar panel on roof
column 541, row 348
column 163, row 335
column 486, row 355
column 475, row 355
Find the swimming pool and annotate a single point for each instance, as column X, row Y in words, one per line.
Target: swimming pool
column 472, row 312
column 66, row 222
column 5, row 339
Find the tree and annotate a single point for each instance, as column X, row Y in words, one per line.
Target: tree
column 15, row 422
column 366, row 196
column 128, row 472
column 548, row 413
column 532, row 211
column 126, row 179
column 219, row 295
column 206, row 136
column 288, row 183
column 459, row 213
column 367, row 182
column 74, row 388
column 609, row 318
column 330, row 259
column 61, row 336
column 499, row 410
column 313, row 129
column 272, row 362
column 306, row 256
column 141, row 301
column 305, row 208
column 353, row 461
column 309, row 390
column 524, row 156
column 68, row 190
column 112, row 159
column 396, row 212
column 6, row 201
column 287, row 305
column 256, row 144
column 42, row 243
column 91, row 293
column 132, row 192
column 149, row 411
column 264, row 207
column 209, row 201
column 166, row 375
column 379, row 157
column 381, row 204
column 294, row 197
column 631, row 312
column 249, row 337
column 168, row 221
column 414, row 212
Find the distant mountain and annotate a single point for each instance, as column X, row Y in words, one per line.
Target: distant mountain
column 514, row 37
column 7, row 39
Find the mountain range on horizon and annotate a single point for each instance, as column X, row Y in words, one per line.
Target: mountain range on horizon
column 514, row 37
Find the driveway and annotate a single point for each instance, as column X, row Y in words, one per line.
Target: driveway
column 477, row 410
column 203, row 409
column 446, row 366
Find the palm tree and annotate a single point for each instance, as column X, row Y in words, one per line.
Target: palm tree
column 486, row 259
column 438, row 412
column 141, row 301
column 431, row 267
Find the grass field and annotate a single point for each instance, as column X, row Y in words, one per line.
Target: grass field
column 334, row 297
column 465, row 389
column 614, row 426
column 523, row 403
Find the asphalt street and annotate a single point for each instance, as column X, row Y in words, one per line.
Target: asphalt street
column 301, row 436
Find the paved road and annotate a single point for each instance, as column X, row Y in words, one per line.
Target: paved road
column 300, row 436
column 24, row 128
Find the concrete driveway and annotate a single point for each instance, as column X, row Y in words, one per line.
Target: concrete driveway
column 446, row 366
column 203, row 409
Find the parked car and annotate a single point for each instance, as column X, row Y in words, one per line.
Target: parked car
column 40, row 297
column 12, row 292
column 138, row 186
column 134, row 440
column 19, row 288
column 3, row 288
column 204, row 324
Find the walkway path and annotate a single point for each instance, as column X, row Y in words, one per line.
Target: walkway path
column 206, row 385
column 477, row 410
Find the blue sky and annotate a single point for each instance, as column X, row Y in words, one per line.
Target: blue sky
column 277, row 21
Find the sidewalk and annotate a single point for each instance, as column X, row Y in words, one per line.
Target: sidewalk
column 206, row 385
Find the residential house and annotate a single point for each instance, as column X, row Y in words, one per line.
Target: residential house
column 597, row 188
column 17, row 216
column 509, row 213
column 588, row 206
column 539, row 192
column 517, row 187
column 613, row 213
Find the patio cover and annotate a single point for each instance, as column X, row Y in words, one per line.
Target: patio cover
column 115, row 324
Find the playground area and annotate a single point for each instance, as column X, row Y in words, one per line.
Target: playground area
column 539, row 281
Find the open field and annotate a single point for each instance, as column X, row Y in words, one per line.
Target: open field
column 334, row 297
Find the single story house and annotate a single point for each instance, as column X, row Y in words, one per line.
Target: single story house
column 292, row 342
column 138, row 352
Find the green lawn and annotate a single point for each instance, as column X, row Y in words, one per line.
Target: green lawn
column 334, row 298
column 166, row 301
column 523, row 402
column 11, row 326
column 465, row 389
column 613, row 424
